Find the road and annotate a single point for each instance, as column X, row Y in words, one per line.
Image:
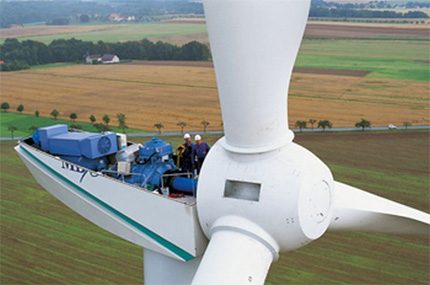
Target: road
column 172, row 134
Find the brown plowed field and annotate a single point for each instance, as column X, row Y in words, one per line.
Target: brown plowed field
column 355, row 31
column 165, row 93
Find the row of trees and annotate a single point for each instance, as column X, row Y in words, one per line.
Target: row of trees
column 324, row 124
column 382, row 4
column 159, row 126
column 21, row 12
column 104, row 126
column 359, row 13
column 20, row 55
column 5, row 107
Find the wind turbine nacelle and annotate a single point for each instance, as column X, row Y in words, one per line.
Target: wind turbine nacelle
column 286, row 192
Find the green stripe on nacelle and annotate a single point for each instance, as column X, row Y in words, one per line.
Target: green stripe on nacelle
column 155, row 237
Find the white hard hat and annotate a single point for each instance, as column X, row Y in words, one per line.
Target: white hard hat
column 197, row 138
column 187, row 136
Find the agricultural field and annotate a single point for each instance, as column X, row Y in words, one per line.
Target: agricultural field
column 183, row 30
column 344, row 72
column 25, row 124
column 43, row 242
column 177, row 33
column 151, row 92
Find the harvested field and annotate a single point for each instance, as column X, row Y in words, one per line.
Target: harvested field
column 44, row 242
column 208, row 64
column 32, row 31
column 164, row 93
column 326, row 71
column 356, row 31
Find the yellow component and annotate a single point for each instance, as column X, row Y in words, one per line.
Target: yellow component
column 179, row 154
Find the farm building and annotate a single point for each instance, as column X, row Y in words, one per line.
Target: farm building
column 110, row 58
column 106, row 58
column 93, row 58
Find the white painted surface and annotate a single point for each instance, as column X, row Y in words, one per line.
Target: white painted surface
column 295, row 191
column 174, row 221
column 162, row 270
column 357, row 210
column 254, row 45
column 239, row 252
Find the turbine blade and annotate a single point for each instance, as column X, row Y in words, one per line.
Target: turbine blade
column 358, row 210
column 254, row 45
column 233, row 257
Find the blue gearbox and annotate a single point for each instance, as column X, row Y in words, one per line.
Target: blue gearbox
column 153, row 161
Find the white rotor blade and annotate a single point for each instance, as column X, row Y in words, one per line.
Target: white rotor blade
column 254, row 44
column 233, row 258
column 358, row 210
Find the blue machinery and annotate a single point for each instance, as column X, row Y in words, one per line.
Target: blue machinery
column 150, row 165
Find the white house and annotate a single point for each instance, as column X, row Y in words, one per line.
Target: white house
column 110, row 58
column 105, row 59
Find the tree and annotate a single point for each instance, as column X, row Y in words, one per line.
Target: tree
column 324, row 124
column 205, row 125
column 20, row 108
column 301, row 125
column 75, row 126
column 55, row 114
column 182, row 125
column 106, row 119
column 159, row 126
column 36, row 113
column 312, row 122
column 93, row 119
column 194, row 51
column 363, row 124
column 12, row 129
column 84, row 18
column 407, row 124
column 5, row 106
column 73, row 117
column 121, row 121
column 102, row 127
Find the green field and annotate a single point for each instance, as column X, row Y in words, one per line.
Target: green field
column 24, row 122
column 384, row 57
column 126, row 32
column 43, row 242
column 389, row 59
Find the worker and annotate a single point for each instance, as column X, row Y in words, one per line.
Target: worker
column 200, row 150
column 185, row 160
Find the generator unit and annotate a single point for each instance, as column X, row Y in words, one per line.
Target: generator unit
column 149, row 166
column 89, row 150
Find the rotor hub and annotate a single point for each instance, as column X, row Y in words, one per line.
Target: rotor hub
column 287, row 192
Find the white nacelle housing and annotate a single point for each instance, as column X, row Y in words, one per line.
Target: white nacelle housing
column 287, row 192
